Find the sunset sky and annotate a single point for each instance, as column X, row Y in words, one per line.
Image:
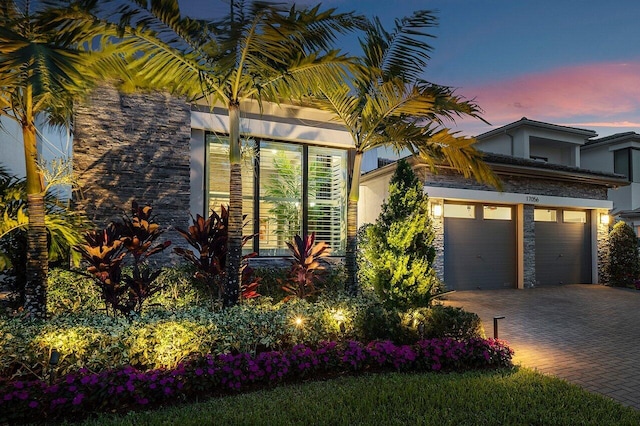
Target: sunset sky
column 568, row 62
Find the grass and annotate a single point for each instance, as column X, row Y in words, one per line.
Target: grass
column 508, row 397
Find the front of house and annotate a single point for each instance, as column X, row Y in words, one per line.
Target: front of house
column 546, row 227
column 294, row 166
column 549, row 225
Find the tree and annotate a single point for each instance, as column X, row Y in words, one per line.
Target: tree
column 258, row 51
column 387, row 103
column 624, row 264
column 64, row 230
column 399, row 250
column 45, row 63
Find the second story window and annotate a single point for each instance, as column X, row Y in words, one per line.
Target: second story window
column 627, row 162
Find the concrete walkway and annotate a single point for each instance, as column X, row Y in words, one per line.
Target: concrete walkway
column 586, row 334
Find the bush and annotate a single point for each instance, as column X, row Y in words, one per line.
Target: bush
column 398, row 251
column 79, row 394
column 72, row 292
column 161, row 338
column 624, row 264
column 442, row 322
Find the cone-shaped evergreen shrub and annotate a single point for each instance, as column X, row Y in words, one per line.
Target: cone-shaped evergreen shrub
column 398, row 248
column 624, row 264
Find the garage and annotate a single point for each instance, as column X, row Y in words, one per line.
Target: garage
column 563, row 246
column 480, row 246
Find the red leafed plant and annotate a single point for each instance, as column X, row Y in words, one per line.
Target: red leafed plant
column 306, row 263
column 106, row 250
column 209, row 239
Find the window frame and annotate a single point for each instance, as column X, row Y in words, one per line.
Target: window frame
column 255, row 240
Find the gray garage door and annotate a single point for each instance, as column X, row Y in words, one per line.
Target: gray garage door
column 563, row 247
column 480, row 246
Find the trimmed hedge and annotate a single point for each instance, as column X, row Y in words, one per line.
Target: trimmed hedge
column 79, row 394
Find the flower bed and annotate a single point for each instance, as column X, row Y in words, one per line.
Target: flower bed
column 78, row 394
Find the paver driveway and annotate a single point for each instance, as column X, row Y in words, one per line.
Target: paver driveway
column 586, row 334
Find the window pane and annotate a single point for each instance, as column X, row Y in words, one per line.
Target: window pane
column 218, row 184
column 545, row 215
column 621, row 162
column 497, row 212
column 464, row 211
column 635, row 165
column 574, row 216
column 327, row 195
column 280, row 196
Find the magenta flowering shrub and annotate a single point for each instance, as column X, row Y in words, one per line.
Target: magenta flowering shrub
column 80, row 394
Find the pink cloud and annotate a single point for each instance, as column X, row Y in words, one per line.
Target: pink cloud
column 603, row 93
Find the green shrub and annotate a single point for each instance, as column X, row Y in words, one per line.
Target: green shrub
column 398, row 250
column 441, row 321
column 624, row 265
column 159, row 338
column 73, row 292
column 331, row 280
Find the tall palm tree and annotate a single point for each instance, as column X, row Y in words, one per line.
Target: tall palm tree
column 44, row 64
column 387, row 103
column 259, row 51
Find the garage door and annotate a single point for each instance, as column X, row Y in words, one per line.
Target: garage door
column 563, row 247
column 479, row 246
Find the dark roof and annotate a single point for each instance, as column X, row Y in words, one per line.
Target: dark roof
column 524, row 121
column 618, row 137
column 514, row 166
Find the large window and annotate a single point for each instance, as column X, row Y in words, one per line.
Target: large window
column 627, row 162
column 290, row 188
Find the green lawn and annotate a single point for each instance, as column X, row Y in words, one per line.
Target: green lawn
column 516, row 397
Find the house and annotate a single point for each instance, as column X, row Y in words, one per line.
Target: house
column 619, row 153
column 159, row 149
column 548, row 226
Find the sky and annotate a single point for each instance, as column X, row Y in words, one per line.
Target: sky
column 566, row 62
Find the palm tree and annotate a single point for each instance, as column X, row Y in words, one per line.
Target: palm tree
column 259, row 51
column 44, row 65
column 387, row 103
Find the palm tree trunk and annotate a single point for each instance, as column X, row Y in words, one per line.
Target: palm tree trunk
column 35, row 297
column 352, row 227
column 234, row 243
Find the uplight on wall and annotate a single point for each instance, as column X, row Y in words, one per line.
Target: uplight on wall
column 436, row 210
column 604, row 218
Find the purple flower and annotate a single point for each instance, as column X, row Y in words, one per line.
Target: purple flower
column 78, row 399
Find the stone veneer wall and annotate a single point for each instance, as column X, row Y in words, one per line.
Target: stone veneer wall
column 603, row 249
column 525, row 185
column 529, row 243
column 438, row 243
column 133, row 147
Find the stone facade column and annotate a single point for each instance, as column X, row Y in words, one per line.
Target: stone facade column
column 133, row 147
column 529, row 247
column 602, row 244
column 438, row 242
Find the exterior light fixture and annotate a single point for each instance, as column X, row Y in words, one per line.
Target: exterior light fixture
column 495, row 325
column 298, row 321
column 54, row 359
column 604, row 218
column 436, row 210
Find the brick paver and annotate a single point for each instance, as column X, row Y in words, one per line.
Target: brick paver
column 586, row 334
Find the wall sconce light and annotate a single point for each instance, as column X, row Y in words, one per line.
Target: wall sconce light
column 604, row 218
column 436, row 210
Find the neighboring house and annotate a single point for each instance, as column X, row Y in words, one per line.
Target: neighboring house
column 548, row 226
column 619, row 153
column 158, row 149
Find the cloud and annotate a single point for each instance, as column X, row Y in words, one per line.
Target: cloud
column 592, row 93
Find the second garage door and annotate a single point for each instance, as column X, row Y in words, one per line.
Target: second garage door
column 480, row 246
column 563, row 247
